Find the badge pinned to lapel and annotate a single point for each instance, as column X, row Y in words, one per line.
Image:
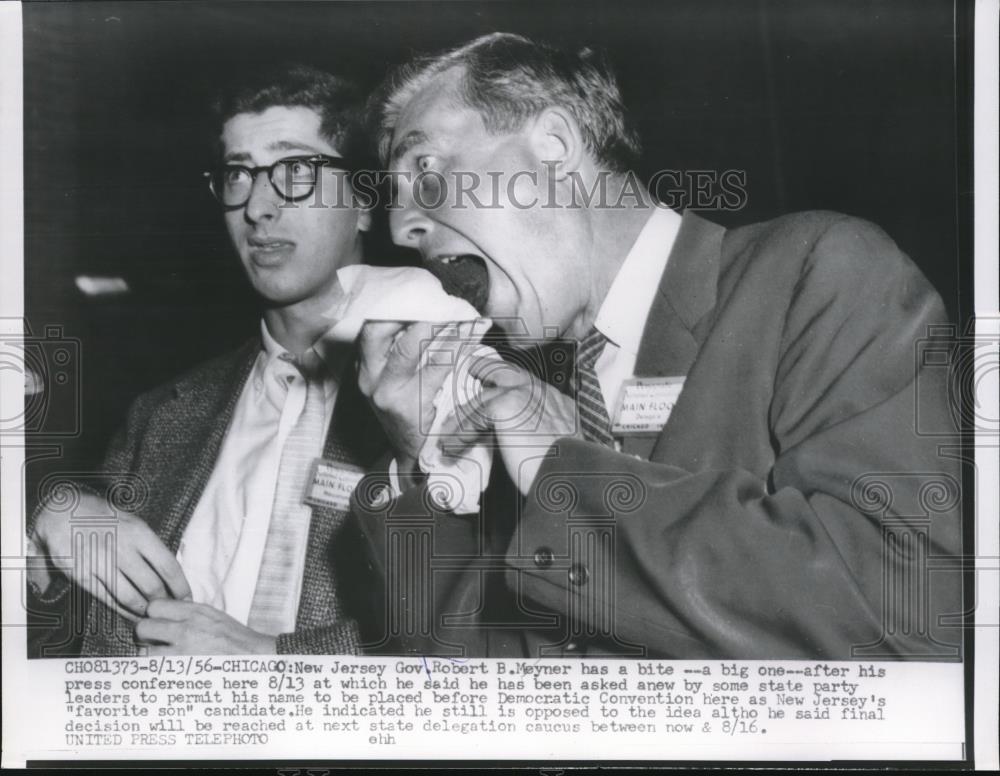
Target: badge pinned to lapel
column 644, row 405
column 332, row 484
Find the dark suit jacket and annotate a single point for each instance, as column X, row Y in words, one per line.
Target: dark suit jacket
column 788, row 509
column 158, row 466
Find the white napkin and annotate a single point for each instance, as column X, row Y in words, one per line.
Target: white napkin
column 456, row 478
column 410, row 294
column 391, row 294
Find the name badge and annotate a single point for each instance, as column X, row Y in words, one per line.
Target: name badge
column 332, row 484
column 644, row 405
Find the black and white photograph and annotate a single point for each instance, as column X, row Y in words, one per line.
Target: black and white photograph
column 575, row 383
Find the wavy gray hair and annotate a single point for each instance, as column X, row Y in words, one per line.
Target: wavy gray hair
column 509, row 79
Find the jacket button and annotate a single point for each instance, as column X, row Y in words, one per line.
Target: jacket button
column 578, row 575
column 543, row 557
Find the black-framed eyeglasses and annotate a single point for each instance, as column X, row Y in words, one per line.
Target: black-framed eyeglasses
column 293, row 178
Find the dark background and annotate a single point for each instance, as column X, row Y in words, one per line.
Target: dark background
column 849, row 106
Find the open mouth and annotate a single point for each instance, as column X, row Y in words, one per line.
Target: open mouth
column 463, row 275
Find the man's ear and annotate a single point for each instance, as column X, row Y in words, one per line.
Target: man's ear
column 557, row 141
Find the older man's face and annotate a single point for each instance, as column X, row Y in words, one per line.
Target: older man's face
column 535, row 256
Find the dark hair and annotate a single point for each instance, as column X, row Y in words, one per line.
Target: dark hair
column 509, row 78
column 338, row 101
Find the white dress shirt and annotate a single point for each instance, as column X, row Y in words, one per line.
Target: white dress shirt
column 623, row 313
column 222, row 546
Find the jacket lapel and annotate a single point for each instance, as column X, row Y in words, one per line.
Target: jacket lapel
column 671, row 340
column 204, row 406
column 354, row 438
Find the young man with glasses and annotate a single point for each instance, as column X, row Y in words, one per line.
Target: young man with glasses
column 224, row 555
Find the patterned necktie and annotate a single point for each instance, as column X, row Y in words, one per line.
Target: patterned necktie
column 275, row 599
column 594, row 420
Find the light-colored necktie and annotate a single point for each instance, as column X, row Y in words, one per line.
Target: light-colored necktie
column 275, row 603
column 594, row 420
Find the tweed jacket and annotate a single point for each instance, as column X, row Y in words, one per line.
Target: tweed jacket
column 158, row 465
column 795, row 504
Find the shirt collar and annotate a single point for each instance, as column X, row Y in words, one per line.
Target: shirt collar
column 623, row 313
column 272, row 349
column 276, row 365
